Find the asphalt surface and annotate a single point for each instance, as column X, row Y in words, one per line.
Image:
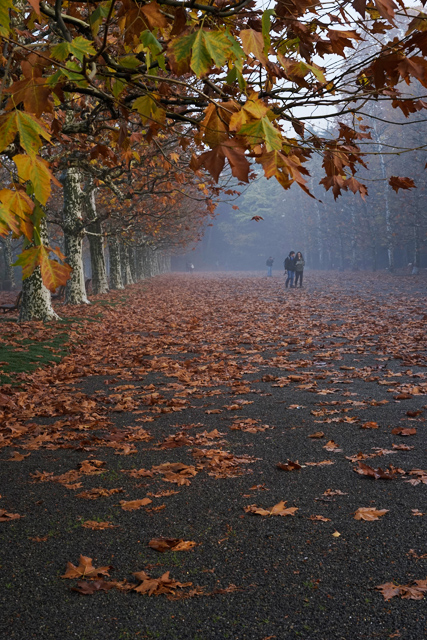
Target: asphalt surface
column 352, row 343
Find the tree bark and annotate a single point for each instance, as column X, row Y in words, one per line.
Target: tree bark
column 132, row 263
column 124, row 259
column 8, row 259
column 115, row 263
column 96, row 242
column 36, row 303
column 388, row 216
column 72, row 216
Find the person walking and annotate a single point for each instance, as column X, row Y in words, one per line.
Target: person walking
column 299, row 269
column 269, row 264
column 289, row 265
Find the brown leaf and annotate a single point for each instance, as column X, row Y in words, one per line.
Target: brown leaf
column 171, row 544
column 289, row 466
column 369, row 425
column 369, row 513
column 318, row 434
column 93, row 494
column 366, row 470
column 5, row 516
column 402, row 431
column 158, row 586
column 279, row 509
column 397, row 183
column 85, row 569
column 88, row 588
column 132, row 505
column 18, row 457
column 97, row 526
column 319, row 518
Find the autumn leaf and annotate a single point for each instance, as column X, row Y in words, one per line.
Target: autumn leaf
column 171, row 544
column 18, row 457
column 366, row 470
column 89, row 588
column 369, row 513
column 158, row 586
column 404, row 431
column 5, row 516
column 97, row 526
column 318, row 434
column 132, row 505
column 289, row 466
column 279, row 509
column 85, row 569
column 369, row 425
column 319, row 519
column 401, row 183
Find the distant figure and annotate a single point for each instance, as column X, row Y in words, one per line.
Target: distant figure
column 289, row 265
column 299, row 269
column 269, row 264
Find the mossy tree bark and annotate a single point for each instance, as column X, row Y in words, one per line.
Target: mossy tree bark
column 72, row 220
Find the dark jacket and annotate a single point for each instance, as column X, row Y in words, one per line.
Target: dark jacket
column 289, row 264
column 269, row 262
column 299, row 265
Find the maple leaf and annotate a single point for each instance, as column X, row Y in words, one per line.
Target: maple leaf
column 158, row 586
column 89, row 588
column 366, row 470
column 97, row 526
column 171, row 544
column 132, row 505
column 404, row 431
column 389, row 590
column 279, row 509
column 85, row 569
column 5, row 516
column 401, row 183
column 289, row 466
column 369, row 513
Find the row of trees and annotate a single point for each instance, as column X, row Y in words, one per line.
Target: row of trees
column 126, row 106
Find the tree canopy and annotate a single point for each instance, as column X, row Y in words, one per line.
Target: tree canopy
column 233, row 82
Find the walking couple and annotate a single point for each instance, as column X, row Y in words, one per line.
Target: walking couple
column 294, row 266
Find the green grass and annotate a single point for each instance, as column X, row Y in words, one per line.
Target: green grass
column 33, row 355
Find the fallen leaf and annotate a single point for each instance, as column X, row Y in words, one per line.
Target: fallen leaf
column 369, row 513
column 278, row 510
column 5, row 516
column 132, row 505
column 171, row 544
column 88, row 588
column 289, row 466
column 404, row 431
column 18, row 457
column 318, row 434
column 97, row 526
column 85, row 569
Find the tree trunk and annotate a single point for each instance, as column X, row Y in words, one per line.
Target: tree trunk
column 354, row 265
column 388, row 216
column 124, row 259
column 8, row 259
column 115, row 263
column 36, row 303
column 72, row 215
column 96, row 241
column 132, row 263
column 417, row 247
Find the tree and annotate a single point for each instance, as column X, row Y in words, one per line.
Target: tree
column 227, row 76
